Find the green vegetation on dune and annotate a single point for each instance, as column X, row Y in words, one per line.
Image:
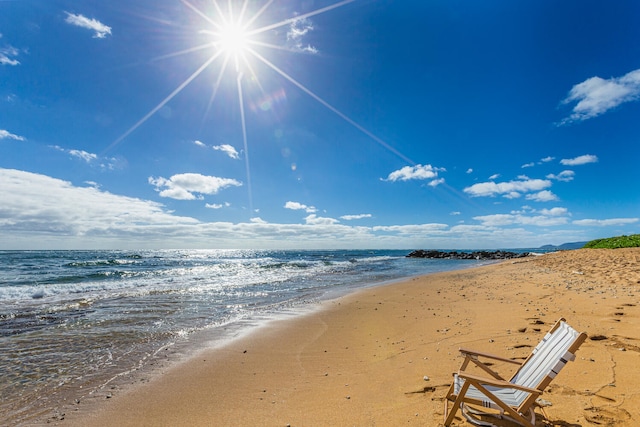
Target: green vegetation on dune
column 632, row 241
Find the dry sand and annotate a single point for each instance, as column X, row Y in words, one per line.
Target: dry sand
column 384, row 356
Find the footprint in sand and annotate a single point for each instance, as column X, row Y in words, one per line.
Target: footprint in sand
column 606, row 416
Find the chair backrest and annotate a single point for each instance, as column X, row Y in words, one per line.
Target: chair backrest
column 545, row 361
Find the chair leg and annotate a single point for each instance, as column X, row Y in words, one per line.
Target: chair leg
column 448, row 416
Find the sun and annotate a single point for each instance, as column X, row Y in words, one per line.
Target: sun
column 232, row 38
column 236, row 39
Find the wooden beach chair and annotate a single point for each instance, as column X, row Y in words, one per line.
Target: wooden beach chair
column 513, row 399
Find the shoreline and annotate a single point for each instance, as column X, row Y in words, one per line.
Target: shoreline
column 362, row 359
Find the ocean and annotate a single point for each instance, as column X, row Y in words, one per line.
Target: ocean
column 73, row 323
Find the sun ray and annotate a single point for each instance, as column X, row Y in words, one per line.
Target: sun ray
column 332, row 108
column 203, row 15
column 183, row 52
column 247, row 64
column 164, row 101
column 273, row 46
column 242, row 11
column 296, row 18
column 216, row 86
column 257, row 14
column 244, row 140
column 220, row 13
column 230, row 34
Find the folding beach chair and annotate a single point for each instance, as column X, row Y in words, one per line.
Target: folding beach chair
column 514, row 399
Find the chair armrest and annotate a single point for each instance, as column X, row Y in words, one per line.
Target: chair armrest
column 496, row 382
column 466, row 351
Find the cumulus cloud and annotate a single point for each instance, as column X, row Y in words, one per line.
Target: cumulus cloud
column 5, row 134
column 83, row 155
column 40, row 205
column 528, row 165
column 101, row 30
column 227, row 149
column 352, row 217
column 299, row 207
column 313, row 219
column 580, row 160
column 565, row 176
column 596, row 96
column 109, row 163
column 542, row 218
column 547, row 159
column 217, row 206
column 418, row 172
column 436, row 182
column 298, row 29
column 200, row 143
column 605, row 222
column 542, row 196
column 511, row 189
column 191, row 186
column 469, row 170
column 8, row 54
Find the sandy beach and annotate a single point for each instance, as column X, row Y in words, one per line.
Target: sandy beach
column 385, row 356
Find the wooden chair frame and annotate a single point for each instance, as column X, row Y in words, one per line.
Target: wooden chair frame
column 489, row 386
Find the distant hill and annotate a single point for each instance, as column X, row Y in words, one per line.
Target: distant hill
column 563, row 247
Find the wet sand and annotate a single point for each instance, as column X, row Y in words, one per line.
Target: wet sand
column 384, row 356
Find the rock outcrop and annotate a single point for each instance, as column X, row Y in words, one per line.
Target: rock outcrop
column 477, row 255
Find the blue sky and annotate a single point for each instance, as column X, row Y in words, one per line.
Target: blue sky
column 318, row 124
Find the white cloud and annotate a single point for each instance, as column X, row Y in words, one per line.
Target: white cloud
column 554, row 211
column 565, row 176
column 81, row 154
column 217, row 206
column 295, row 34
column 191, row 186
column 511, row 189
column 227, row 149
column 469, row 170
column 101, row 30
column 543, row 218
column 547, row 159
column 542, row 196
column 8, row 54
column 299, row 207
column 86, row 156
column 414, row 172
column 38, row 205
column 528, row 165
column 455, row 213
column 606, row 222
column 596, row 95
column 41, row 212
column 352, row 217
column 580, row 160
column 4, row 134
column 494, row 176
column 436, row 182
column 200, row 143
column 412, row 229
column 313, row 219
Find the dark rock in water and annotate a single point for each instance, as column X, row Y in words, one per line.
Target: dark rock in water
column 477, row 255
